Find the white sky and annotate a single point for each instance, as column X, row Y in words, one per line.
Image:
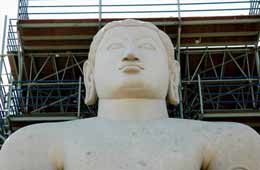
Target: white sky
column 7, row 7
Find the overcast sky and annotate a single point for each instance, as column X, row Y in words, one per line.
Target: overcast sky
column 7, row 7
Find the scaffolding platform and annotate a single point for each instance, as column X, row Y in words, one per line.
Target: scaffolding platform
column 75, row 35
column 17, row 122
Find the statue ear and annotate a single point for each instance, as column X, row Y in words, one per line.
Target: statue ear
column 174, row 80
column 91, row 94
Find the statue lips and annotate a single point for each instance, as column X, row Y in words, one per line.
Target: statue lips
column 131, row 68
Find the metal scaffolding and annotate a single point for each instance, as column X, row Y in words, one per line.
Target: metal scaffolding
column 224, row 80
column 31, row 9
column 254, row 7
column 5, row 78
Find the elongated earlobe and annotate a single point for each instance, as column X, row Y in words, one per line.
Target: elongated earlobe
column 91, row 94
column 173, row 90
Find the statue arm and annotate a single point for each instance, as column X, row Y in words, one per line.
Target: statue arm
column 26, row 149
column 238, row 148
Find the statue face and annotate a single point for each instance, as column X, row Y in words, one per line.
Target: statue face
column 131, row 62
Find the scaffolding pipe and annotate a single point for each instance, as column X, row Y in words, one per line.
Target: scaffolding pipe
column 18, row 9
column 20, row 66
column 53, row 103
column 20, row 56
column 8, row 109
column 179, row 9
column 134, row 5
column 257, row 62
column 178, row 58
column 2, row 137
column 99, row 13
column 28, row 87
column 201, row 99
column 79, row 96
column 3, row 47
column 4, row 35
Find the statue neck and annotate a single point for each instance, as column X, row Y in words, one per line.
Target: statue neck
column 132, row 109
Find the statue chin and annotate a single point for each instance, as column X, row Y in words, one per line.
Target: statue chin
column 136, row 91
column 131, row 87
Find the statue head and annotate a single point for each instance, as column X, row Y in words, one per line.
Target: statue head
column 131, row 59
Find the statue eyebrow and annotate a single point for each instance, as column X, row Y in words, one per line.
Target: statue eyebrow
column 144, row 37
column 116, row 44
column 117, row 39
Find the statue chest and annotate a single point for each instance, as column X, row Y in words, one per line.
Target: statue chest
column 132, row 150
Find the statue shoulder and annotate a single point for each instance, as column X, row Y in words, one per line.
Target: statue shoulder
column 236, row 146
column 33, row 142
column 229, row 132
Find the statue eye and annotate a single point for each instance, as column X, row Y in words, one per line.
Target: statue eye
column 115, row 46
column 147, row 46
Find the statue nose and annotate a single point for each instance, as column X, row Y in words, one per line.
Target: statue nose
column 130, row 57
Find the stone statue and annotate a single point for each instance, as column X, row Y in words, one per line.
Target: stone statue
column 131, row 69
